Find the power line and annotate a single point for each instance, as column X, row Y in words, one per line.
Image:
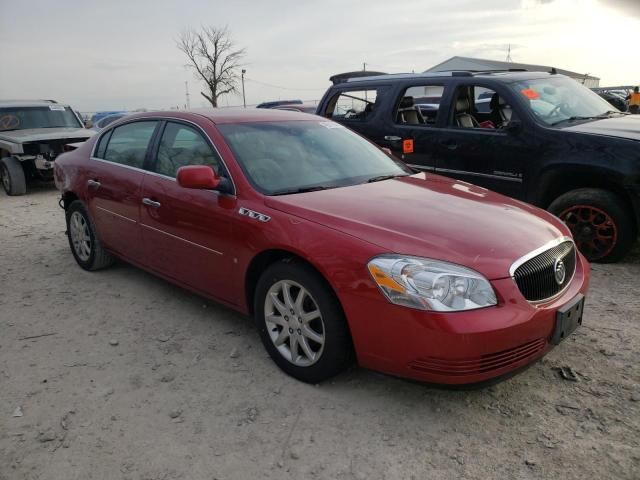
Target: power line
column 284, row 88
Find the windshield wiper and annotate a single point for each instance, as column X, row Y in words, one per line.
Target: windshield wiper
column 576, row 118
column 380, row 178
column 315, row 188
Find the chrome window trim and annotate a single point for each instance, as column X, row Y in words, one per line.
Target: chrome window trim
column 180, row 238
column 160, row 119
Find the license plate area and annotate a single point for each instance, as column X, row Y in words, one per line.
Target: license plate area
column 568, row 318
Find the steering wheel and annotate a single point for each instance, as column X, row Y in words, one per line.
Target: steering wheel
column 9, row 122
column 556, row 109
column 351, row 113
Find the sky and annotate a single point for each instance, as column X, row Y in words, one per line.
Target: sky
column 121, row 54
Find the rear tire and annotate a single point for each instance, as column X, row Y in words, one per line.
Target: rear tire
column 602, row 224
column 326, row 336
column 14, row 181
column 83, row 239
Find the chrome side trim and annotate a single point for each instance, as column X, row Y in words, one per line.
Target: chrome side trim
column 253, row 214
column 159, row 119
column 116, row 214
column 180, row 238
column 538, row 251
column 478, row 174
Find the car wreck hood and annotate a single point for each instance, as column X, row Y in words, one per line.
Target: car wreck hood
column 431, row 216
column 44, row 134
column 627, row 126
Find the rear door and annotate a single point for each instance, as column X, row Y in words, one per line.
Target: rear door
column 187, row 233
column 113, row 185
column 411, row 127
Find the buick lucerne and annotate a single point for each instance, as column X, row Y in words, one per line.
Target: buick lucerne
column 338, row 250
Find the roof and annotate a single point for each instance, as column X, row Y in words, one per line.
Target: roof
column 485, row 64
column 29, row 103
column 232, row 115
column 513, row 76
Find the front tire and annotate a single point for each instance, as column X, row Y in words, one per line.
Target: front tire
column 301, row 322
column 14, row 181
column 83, row 240
column 601, row 223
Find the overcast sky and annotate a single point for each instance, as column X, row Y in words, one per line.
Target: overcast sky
column 121, row 54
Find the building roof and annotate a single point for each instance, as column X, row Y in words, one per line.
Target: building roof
column 485, row 64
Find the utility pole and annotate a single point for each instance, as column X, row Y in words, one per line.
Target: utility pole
column 509, row 54
column 244, row 99
column 186, row 94
column 364, row 69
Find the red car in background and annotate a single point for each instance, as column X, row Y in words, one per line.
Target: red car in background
column 332, row 245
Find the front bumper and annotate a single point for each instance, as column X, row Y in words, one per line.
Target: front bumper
column 457, row 348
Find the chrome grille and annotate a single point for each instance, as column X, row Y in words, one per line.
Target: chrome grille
column 536, row 277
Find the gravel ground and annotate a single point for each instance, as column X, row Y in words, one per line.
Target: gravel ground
column 130, row 377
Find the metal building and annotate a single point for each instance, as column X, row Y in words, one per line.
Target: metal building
column 469, row 63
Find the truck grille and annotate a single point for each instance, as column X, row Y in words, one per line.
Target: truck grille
column 536, row 278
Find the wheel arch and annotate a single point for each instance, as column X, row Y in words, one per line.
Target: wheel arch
column 260, row 262
column 558, row 181
column 68, row 197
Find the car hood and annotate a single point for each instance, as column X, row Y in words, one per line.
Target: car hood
column 627, row 126
column 431, row 216
column 43, row 134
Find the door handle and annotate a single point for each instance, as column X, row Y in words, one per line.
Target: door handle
column 392, row 138
column 151, row 203
column 450, row 144
column 93, row 183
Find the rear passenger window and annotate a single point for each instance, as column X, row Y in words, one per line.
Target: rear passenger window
column 352, row 105
column 128, row 143
column 102, row 145
column 419, row 105
column 480, row 107
column 180, row 146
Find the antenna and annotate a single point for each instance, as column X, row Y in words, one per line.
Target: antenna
column 509, row 54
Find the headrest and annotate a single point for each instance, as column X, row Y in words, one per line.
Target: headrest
column 406, row 102
column 462, row 105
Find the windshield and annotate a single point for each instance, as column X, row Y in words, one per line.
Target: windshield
column 288, row 157
column 23, row 118
column 556, row 100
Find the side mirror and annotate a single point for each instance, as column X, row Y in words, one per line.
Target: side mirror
column 513, row 127
column 202, row 177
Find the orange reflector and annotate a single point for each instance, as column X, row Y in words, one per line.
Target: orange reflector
column 530, row 93
column 384, row 280
column 407, row 146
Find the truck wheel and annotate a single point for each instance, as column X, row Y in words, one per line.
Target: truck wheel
column 13, row 179
column 83, row 240
column 602, row 225
column 301, row 322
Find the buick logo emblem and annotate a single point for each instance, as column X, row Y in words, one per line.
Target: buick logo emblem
column 559, row 271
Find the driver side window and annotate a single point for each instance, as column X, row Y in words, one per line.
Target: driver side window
column 180, row 146
column 480, row 108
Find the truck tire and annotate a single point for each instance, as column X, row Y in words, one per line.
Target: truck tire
column 601, row 223
column 13, row 178
column 83, row 239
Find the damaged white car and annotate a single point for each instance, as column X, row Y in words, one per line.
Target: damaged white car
column 32, row 134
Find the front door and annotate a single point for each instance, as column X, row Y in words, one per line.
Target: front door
column 113, row 186
column 478, row 144
column 187, row 233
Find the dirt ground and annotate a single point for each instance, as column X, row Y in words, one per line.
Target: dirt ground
column 130, row 377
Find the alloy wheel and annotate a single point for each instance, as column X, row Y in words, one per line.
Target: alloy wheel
column 593, row 229
column 294, row 323
column 80, row 236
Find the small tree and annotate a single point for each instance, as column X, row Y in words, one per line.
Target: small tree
column 214, row 59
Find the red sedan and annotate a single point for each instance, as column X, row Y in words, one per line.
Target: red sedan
column 333, row 246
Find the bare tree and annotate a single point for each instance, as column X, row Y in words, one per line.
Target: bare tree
column 214, row 59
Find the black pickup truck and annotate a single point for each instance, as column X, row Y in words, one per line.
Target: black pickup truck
column 539, row 137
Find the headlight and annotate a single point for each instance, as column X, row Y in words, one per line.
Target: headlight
column 430, row 284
